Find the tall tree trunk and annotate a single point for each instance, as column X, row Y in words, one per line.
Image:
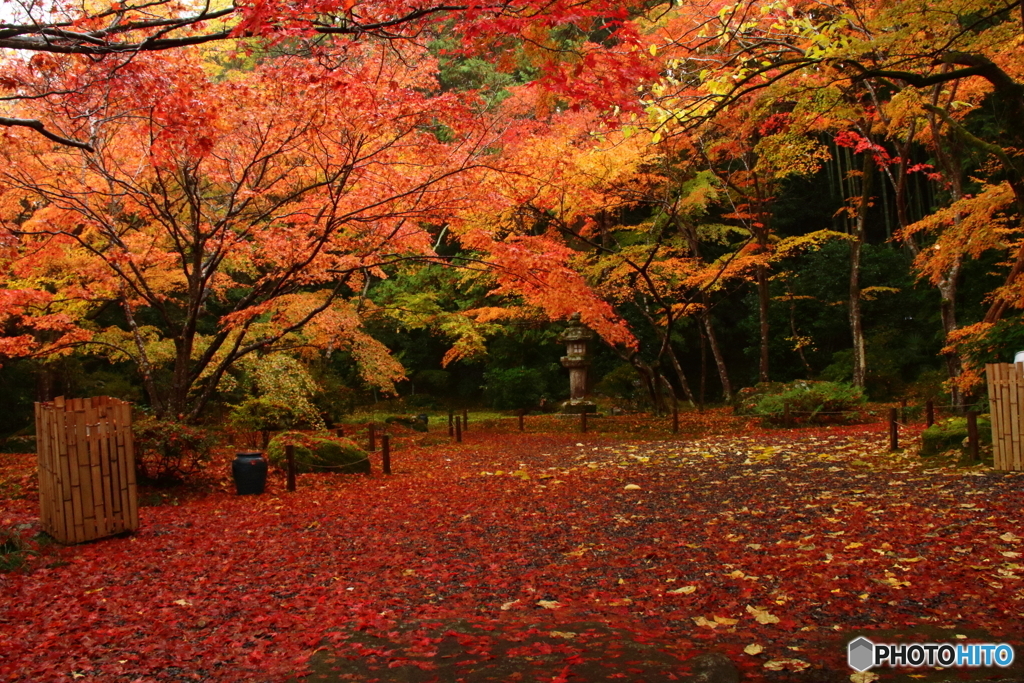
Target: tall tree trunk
column 665, row 337
column 680, row 375
column 763, row 300
column 716, row 354
column 690, row 234
column 856, row 244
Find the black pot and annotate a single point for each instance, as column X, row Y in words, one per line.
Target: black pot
column 250, row 472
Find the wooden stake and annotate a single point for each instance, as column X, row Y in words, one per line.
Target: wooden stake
column 894, row 436
column 972, row 435
column 522, row 426
column 385, row 453
column 458, row 431
column 929, row 413
column 340, row 431
column 465, row 420
column 289, row 453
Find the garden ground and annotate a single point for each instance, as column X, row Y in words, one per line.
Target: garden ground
column 538, row 556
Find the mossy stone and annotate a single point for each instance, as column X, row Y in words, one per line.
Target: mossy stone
column 951, row 433
column 319, row 453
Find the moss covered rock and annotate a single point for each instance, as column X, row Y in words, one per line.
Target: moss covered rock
column 411, row 421
column 952, row 433
column 319, row 453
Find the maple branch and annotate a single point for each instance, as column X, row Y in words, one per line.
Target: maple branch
column 41, row 128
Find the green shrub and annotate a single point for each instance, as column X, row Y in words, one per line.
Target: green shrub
column 14, row 550
column 168, row 452
column 315, row 453
column 952, row 433
column 422, row 401
column 746, row 399
column 811, row 403
column 265, row 414
column 624, row 383
column 18, row 444
column 513, row 388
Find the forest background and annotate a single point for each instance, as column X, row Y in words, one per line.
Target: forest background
column 283, row 211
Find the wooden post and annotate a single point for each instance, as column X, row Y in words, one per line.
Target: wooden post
column 972, row 435
column 451, row 422
column 340, row 431
column 583, row 422
column 786, row 419
column 894, row 438
column 465, row 420
column 929, row 413
column 385, row 453
column 371, row 430
column 289, row 454
column 458, row 431
column 521, row 413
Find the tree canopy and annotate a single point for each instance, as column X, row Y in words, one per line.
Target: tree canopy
column 187, row 185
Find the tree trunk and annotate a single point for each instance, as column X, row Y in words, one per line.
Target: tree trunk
column 716, row 354
column 856, row 244
column 763, row 300
column 680, row 375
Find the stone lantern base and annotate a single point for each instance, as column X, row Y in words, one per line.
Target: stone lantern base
column 577, row 406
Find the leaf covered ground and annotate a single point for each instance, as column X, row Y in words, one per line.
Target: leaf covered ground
column 549, row 556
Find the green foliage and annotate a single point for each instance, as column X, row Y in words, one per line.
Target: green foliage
column 285, row 401
column 19, row 443
column 952, row 433
column 315, row 453
column 265, row 414
column 513, row 388
column 622, row 383
column 14, row 550
column 169, row 452
column 809, row 402
column 746, row 400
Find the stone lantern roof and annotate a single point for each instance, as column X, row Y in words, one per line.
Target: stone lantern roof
column 576, row 331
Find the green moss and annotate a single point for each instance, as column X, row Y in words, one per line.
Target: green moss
column 809, row 402
column 951, row 433
column 319, row 453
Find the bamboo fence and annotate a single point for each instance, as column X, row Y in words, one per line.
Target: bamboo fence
column 86, row 468
column 1006, row 401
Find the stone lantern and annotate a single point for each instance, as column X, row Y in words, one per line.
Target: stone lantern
column 575, row 338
